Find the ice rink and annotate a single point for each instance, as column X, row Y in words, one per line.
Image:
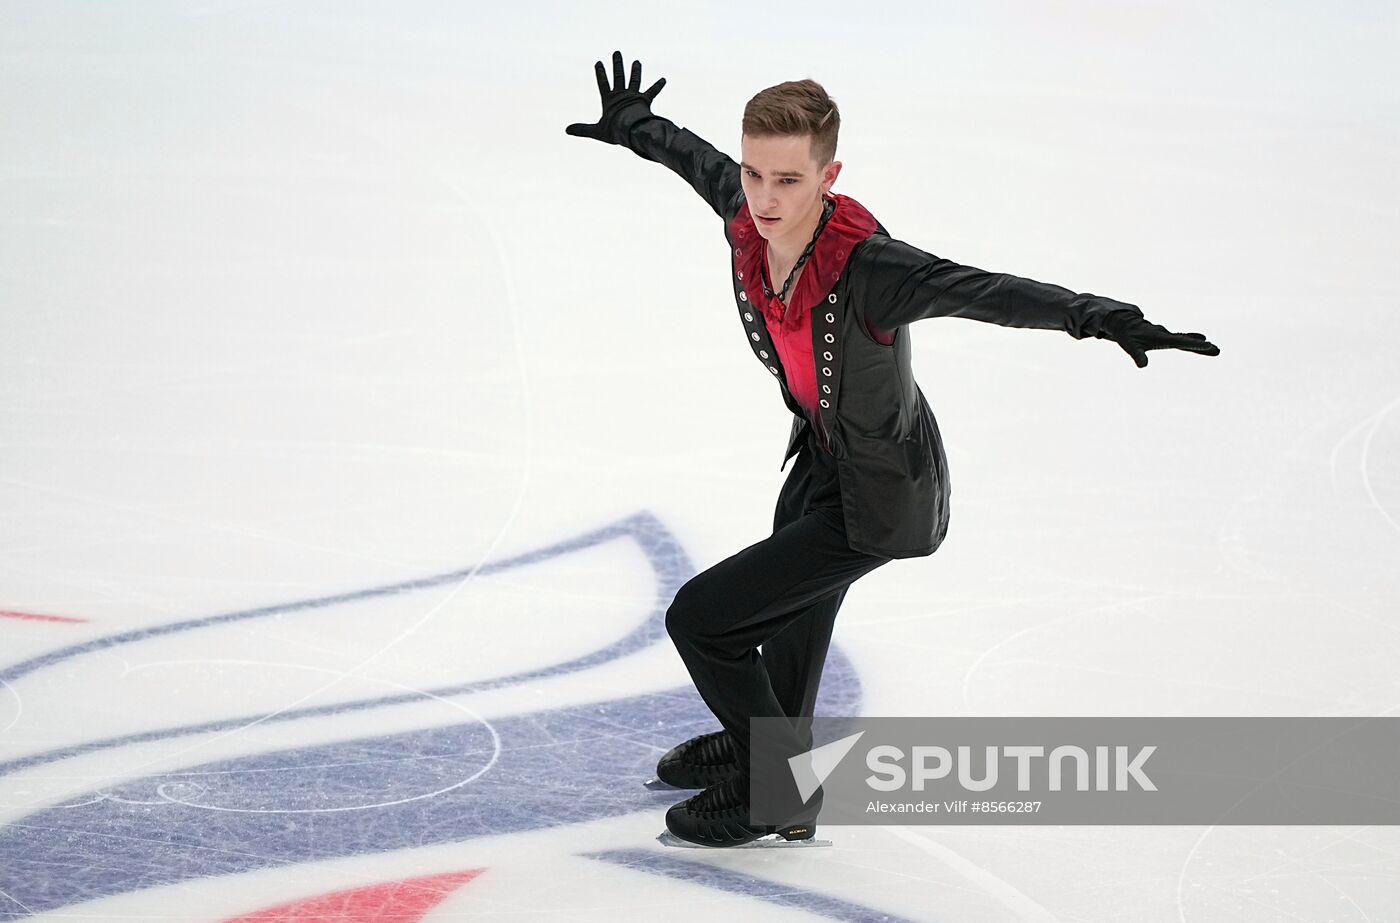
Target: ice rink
column 358, row 425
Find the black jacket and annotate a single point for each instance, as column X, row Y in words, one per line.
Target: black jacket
column 873, row 417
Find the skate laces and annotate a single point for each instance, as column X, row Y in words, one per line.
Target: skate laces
column 724, row 797
column 714, row 749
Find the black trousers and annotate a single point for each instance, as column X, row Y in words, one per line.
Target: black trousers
column 782, row 594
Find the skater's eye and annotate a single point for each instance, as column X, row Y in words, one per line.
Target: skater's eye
column 786, row 179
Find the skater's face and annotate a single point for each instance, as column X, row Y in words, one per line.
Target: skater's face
column 783, row 181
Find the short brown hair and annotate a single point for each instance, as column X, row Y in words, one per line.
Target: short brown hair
column 797, row 107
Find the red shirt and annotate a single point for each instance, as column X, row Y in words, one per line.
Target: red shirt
column 791, row 326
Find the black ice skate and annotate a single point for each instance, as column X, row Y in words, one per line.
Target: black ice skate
column 719, row 817
column 698, row 763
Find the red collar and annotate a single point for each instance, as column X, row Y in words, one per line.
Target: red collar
column 848, row 225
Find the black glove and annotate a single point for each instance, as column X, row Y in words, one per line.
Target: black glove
column 1137, row 335
column 623, row 107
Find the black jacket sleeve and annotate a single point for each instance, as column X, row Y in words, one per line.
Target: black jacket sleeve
column 710, row 172
column 907, row 284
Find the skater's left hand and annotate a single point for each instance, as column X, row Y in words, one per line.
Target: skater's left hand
column 1137, row 335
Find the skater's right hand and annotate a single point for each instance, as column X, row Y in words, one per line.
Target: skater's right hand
column 623, row 106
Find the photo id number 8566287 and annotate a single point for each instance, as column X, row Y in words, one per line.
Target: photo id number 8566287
column 1005, row 807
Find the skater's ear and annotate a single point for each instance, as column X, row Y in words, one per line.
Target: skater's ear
column 829, row 174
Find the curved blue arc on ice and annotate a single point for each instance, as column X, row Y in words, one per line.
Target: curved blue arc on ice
column 668, row 561
column 661, row 548
column 553, row 767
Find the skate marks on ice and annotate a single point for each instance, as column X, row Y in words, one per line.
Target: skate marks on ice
column 301, row 804
column 1372, row 425
column 552, row 768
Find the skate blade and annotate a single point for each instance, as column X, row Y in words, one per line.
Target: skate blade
column 656, row 785
column 771, row 841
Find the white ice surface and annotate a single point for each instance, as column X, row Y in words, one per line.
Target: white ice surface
column 297, row 299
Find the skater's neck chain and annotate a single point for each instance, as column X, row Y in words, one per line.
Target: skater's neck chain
column 828, row 206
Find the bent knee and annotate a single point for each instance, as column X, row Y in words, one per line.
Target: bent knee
column 685, row 617
column 680, row 621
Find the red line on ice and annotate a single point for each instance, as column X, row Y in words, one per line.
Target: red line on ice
column 406, row 901
column 36, row 617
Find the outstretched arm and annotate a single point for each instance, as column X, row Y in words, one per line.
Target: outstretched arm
column 627, row 120
column 908, row 284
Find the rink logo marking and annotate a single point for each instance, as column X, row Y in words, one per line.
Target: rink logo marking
column 645, row 528
column 39, row 617
column 670, row 566
column 121, row 841
column 732, row 881
column 406, row 901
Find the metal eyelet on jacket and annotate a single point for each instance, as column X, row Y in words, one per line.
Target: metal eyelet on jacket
column 741, row 275
column 831, row 298
column 748, row 317
column 755, row 337
column 773, row 370
column 826, row 356
column 763, row 354
column 826, row 371
column 824, row 403
column 743, row 296
column 830, row 318
column 830, row 338
column 826, row 389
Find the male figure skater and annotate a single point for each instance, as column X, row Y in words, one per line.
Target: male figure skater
column 824, row 296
